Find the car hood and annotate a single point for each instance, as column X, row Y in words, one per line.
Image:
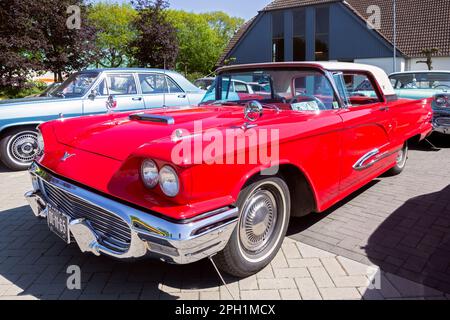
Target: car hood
column 117, row 136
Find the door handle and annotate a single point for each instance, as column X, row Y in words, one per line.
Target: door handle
column 182, row 96
column 384, row 108
column 137, row 99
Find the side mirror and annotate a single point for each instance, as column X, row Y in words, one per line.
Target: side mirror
column 93, row 95
column 111, row 103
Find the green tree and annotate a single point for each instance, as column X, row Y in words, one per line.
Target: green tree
column 201, row 38
column 116, row 32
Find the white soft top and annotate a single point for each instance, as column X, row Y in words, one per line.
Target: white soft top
column 378, row 73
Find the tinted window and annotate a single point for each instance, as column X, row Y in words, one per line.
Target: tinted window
column 77, row 85
column 421, row 81
column 360, row 89
column 322, row 34
column 102, row 89
column 153, row 83
column 299, row 44
column 121, row 84
column 278, row 36
column 173, row 87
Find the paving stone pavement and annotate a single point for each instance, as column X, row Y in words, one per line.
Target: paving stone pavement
column 389, row 241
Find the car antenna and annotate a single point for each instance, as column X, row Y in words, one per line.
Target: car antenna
column 165, row 84
column 220, row 276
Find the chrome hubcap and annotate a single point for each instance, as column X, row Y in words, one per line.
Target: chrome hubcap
column 258, row 220
column 401, row 157
column 24, row 147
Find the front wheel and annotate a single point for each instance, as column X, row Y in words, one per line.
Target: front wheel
column 402, row 158
column 264, row 208
column 18, row 148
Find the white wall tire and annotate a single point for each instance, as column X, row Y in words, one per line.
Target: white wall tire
column 18, row 148
column 402, row 159
column 264, row 208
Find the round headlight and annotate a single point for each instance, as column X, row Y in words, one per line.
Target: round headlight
column 168, row 181
column 40, row 142
column 441, row 101
column 149, row 173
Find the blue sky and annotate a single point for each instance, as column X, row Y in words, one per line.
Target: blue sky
column 240, row 8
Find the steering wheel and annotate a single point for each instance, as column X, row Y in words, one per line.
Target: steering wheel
column 306, row 98
column 443, row 85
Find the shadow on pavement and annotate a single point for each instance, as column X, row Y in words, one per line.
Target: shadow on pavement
column 298, row 225
column 415, row 241
column 440, row 141
column 34, row 262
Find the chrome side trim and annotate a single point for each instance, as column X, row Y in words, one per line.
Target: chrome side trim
column 371, row 158
column 364, row 162
column 153, row 236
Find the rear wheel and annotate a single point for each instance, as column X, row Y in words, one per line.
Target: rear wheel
column 264, row 217
column 402, row 158
column 18, row 148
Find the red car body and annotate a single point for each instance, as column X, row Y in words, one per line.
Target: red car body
column 320, row 148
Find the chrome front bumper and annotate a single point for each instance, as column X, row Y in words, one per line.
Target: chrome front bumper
column 179, row 243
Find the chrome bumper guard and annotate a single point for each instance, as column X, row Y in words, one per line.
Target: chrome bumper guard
column 150, row 236
column 442, row 124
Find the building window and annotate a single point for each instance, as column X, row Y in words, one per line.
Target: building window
column 278, row 36
column 322, row 34
column 299, row 43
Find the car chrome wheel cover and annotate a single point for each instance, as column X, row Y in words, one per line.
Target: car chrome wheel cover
column 258, row 220
column 23, row 147
column 402, row 156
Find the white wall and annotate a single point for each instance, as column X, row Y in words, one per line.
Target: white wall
column 385, row 63
column 438, row 64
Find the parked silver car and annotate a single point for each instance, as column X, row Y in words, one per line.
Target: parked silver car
column 88, row 92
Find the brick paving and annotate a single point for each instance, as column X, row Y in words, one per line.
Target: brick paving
column 399, row 224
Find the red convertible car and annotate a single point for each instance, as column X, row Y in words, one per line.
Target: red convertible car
column 223, row 178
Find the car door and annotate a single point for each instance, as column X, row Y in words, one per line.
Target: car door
column 153, row 88
column 176, row 96
column 95, row 103
column 368, row 128
column 122, row 87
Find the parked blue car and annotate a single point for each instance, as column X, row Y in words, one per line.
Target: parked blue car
column 426, row 84
column 83, row 93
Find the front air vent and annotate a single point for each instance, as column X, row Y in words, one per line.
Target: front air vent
column 153, row 118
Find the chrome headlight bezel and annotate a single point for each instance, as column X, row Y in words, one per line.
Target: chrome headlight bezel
column 169, row 181
column 40, row 142
column 149, row 173
column 441, row 101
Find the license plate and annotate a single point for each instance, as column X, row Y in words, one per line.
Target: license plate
column 58, row 223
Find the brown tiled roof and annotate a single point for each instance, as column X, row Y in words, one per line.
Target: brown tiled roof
column 420, row 24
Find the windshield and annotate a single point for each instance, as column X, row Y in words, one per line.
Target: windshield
column 421, row 81
column 299, row 89
column 77, row 85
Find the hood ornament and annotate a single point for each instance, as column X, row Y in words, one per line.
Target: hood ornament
column 67, row 156
column 253, row 111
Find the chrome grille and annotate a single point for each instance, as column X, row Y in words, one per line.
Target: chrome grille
column 443, row 121
column 112, row 230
